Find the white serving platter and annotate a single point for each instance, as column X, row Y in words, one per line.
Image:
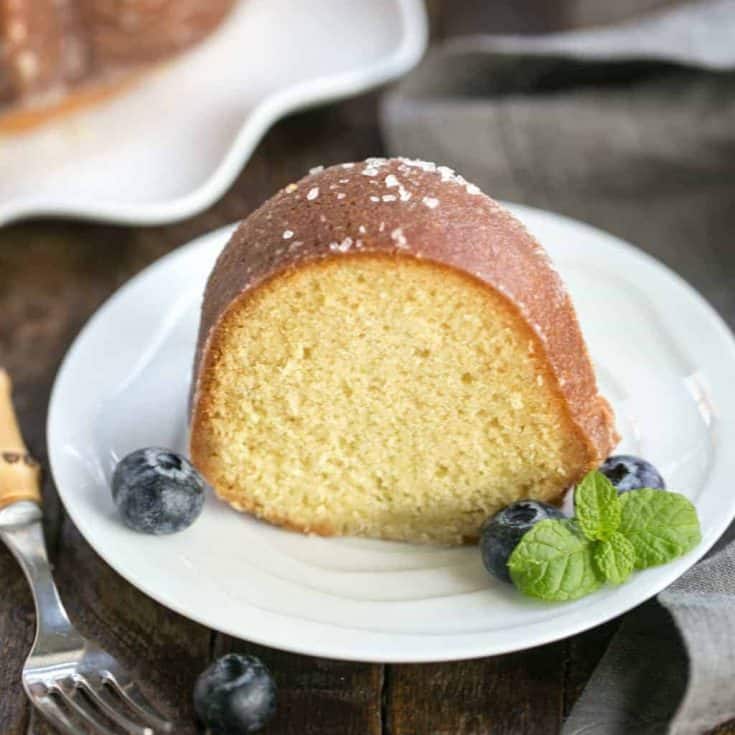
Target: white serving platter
column 169, row 146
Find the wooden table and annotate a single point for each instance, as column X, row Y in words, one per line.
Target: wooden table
column 53, row 275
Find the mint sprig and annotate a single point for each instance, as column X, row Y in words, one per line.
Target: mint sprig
column 614, row 558
column 554, row 562
column 659, row 525
column 609, row 536
column 597, row 506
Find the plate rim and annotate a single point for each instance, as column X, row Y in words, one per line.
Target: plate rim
column 464, row 646
column 277, row 104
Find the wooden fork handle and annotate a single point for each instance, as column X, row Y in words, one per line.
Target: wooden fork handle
column 20, row 474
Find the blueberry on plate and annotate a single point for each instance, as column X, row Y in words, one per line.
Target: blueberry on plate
column 627, row 472
column 235, row 695
column 501, row 533
column 157, row 491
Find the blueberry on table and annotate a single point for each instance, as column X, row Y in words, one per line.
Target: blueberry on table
column 157, row 491
column 627, row 472
column 501, row 533
column 235, row 695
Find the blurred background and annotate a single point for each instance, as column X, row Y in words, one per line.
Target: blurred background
column 620, row 114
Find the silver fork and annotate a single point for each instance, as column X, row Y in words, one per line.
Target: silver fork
column 70, row 680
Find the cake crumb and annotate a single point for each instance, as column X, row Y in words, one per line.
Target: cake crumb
column 316, row 169
column 313, row 193
column 291, row 188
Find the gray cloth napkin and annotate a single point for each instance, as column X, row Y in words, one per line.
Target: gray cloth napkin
column 632, row 129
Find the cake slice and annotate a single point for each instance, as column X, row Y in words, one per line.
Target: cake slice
column 385, row 351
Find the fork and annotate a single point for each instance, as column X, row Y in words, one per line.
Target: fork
column 74, row 684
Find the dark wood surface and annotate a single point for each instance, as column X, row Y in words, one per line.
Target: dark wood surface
column 53, row 275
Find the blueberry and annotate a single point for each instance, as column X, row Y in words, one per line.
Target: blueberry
column 235, row 695
column 501, row 533
column 157, row 491
column 631, row 473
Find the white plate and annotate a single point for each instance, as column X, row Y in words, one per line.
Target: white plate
column 664, row 358
column 169, row 147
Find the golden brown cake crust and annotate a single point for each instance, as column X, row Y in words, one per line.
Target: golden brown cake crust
column 402, row 207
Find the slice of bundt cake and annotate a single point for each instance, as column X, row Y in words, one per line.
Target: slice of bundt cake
column 385, row 351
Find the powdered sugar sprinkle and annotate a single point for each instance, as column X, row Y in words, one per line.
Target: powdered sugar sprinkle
column 399, row 238
column 341, row 247
column 446, row 174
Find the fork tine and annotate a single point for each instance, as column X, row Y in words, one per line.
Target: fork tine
column 106, row 703
column 51, row 712
column 130, row 693
column 83, row 712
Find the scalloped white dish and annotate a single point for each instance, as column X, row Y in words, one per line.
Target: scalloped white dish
column 663, row 357
column 169, row 146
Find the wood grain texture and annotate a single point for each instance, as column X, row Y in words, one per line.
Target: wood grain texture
column 17, row 620
column 318, row 696
column 504, row 695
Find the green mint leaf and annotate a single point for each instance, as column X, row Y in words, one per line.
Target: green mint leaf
column 553, row 561
column 597, row 506
column 661, row 525
column 614, row 558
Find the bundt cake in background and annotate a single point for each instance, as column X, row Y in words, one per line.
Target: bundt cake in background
column 385, row 351
column 49, row 48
